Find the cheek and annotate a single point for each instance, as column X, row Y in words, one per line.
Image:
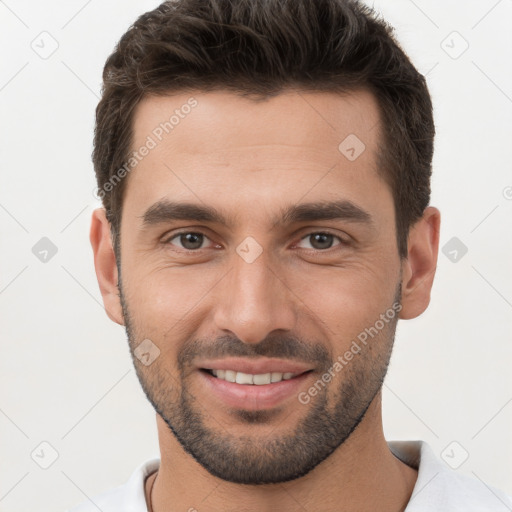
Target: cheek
column 347, row 300
column 166, row 301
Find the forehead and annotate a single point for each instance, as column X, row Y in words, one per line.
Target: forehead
column 218, row 145
column 222, row 120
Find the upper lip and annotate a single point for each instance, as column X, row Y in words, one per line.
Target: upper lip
column 255, row 366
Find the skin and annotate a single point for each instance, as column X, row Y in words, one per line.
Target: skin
column 250, row 160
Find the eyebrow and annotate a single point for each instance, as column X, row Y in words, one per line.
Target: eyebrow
column 167, row 211
column 324, row 210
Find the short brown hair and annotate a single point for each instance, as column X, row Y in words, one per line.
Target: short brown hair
column 263, row 47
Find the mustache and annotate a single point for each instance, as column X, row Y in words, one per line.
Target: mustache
column 277, row 346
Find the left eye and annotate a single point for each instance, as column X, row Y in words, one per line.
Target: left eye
column 189, row 240
column 320, row 241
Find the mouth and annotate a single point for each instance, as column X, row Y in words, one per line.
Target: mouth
column 259, row 379
column 253, row 384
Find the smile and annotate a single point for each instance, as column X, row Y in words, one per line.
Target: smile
column 259, row 379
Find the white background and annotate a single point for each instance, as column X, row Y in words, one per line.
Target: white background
column 65, row 373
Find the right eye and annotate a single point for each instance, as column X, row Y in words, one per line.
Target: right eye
column 188, row 240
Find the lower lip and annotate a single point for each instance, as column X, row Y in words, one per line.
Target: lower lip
column 252, row 397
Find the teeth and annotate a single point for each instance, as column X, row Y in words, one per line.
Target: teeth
column 244, row 378
column 248, row 378
column 230, row 376
column 262, row 378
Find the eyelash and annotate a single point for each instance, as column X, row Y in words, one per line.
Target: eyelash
column 323, row 232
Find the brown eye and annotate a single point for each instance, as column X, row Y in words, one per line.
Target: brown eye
column 189, row 241
column 320, row 241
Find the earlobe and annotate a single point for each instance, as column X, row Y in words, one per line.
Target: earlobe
column 105, row 265
column 419, row 268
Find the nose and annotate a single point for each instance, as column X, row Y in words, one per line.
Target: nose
column 253, row 300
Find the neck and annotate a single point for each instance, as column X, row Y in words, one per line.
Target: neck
column 362, row 474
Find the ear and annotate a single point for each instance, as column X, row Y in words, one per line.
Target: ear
column 105, row 265
column 419, row 268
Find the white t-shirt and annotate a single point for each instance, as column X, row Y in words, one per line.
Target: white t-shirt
column 438, row 488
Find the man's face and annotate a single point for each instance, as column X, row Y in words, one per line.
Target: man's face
column 288, row 256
